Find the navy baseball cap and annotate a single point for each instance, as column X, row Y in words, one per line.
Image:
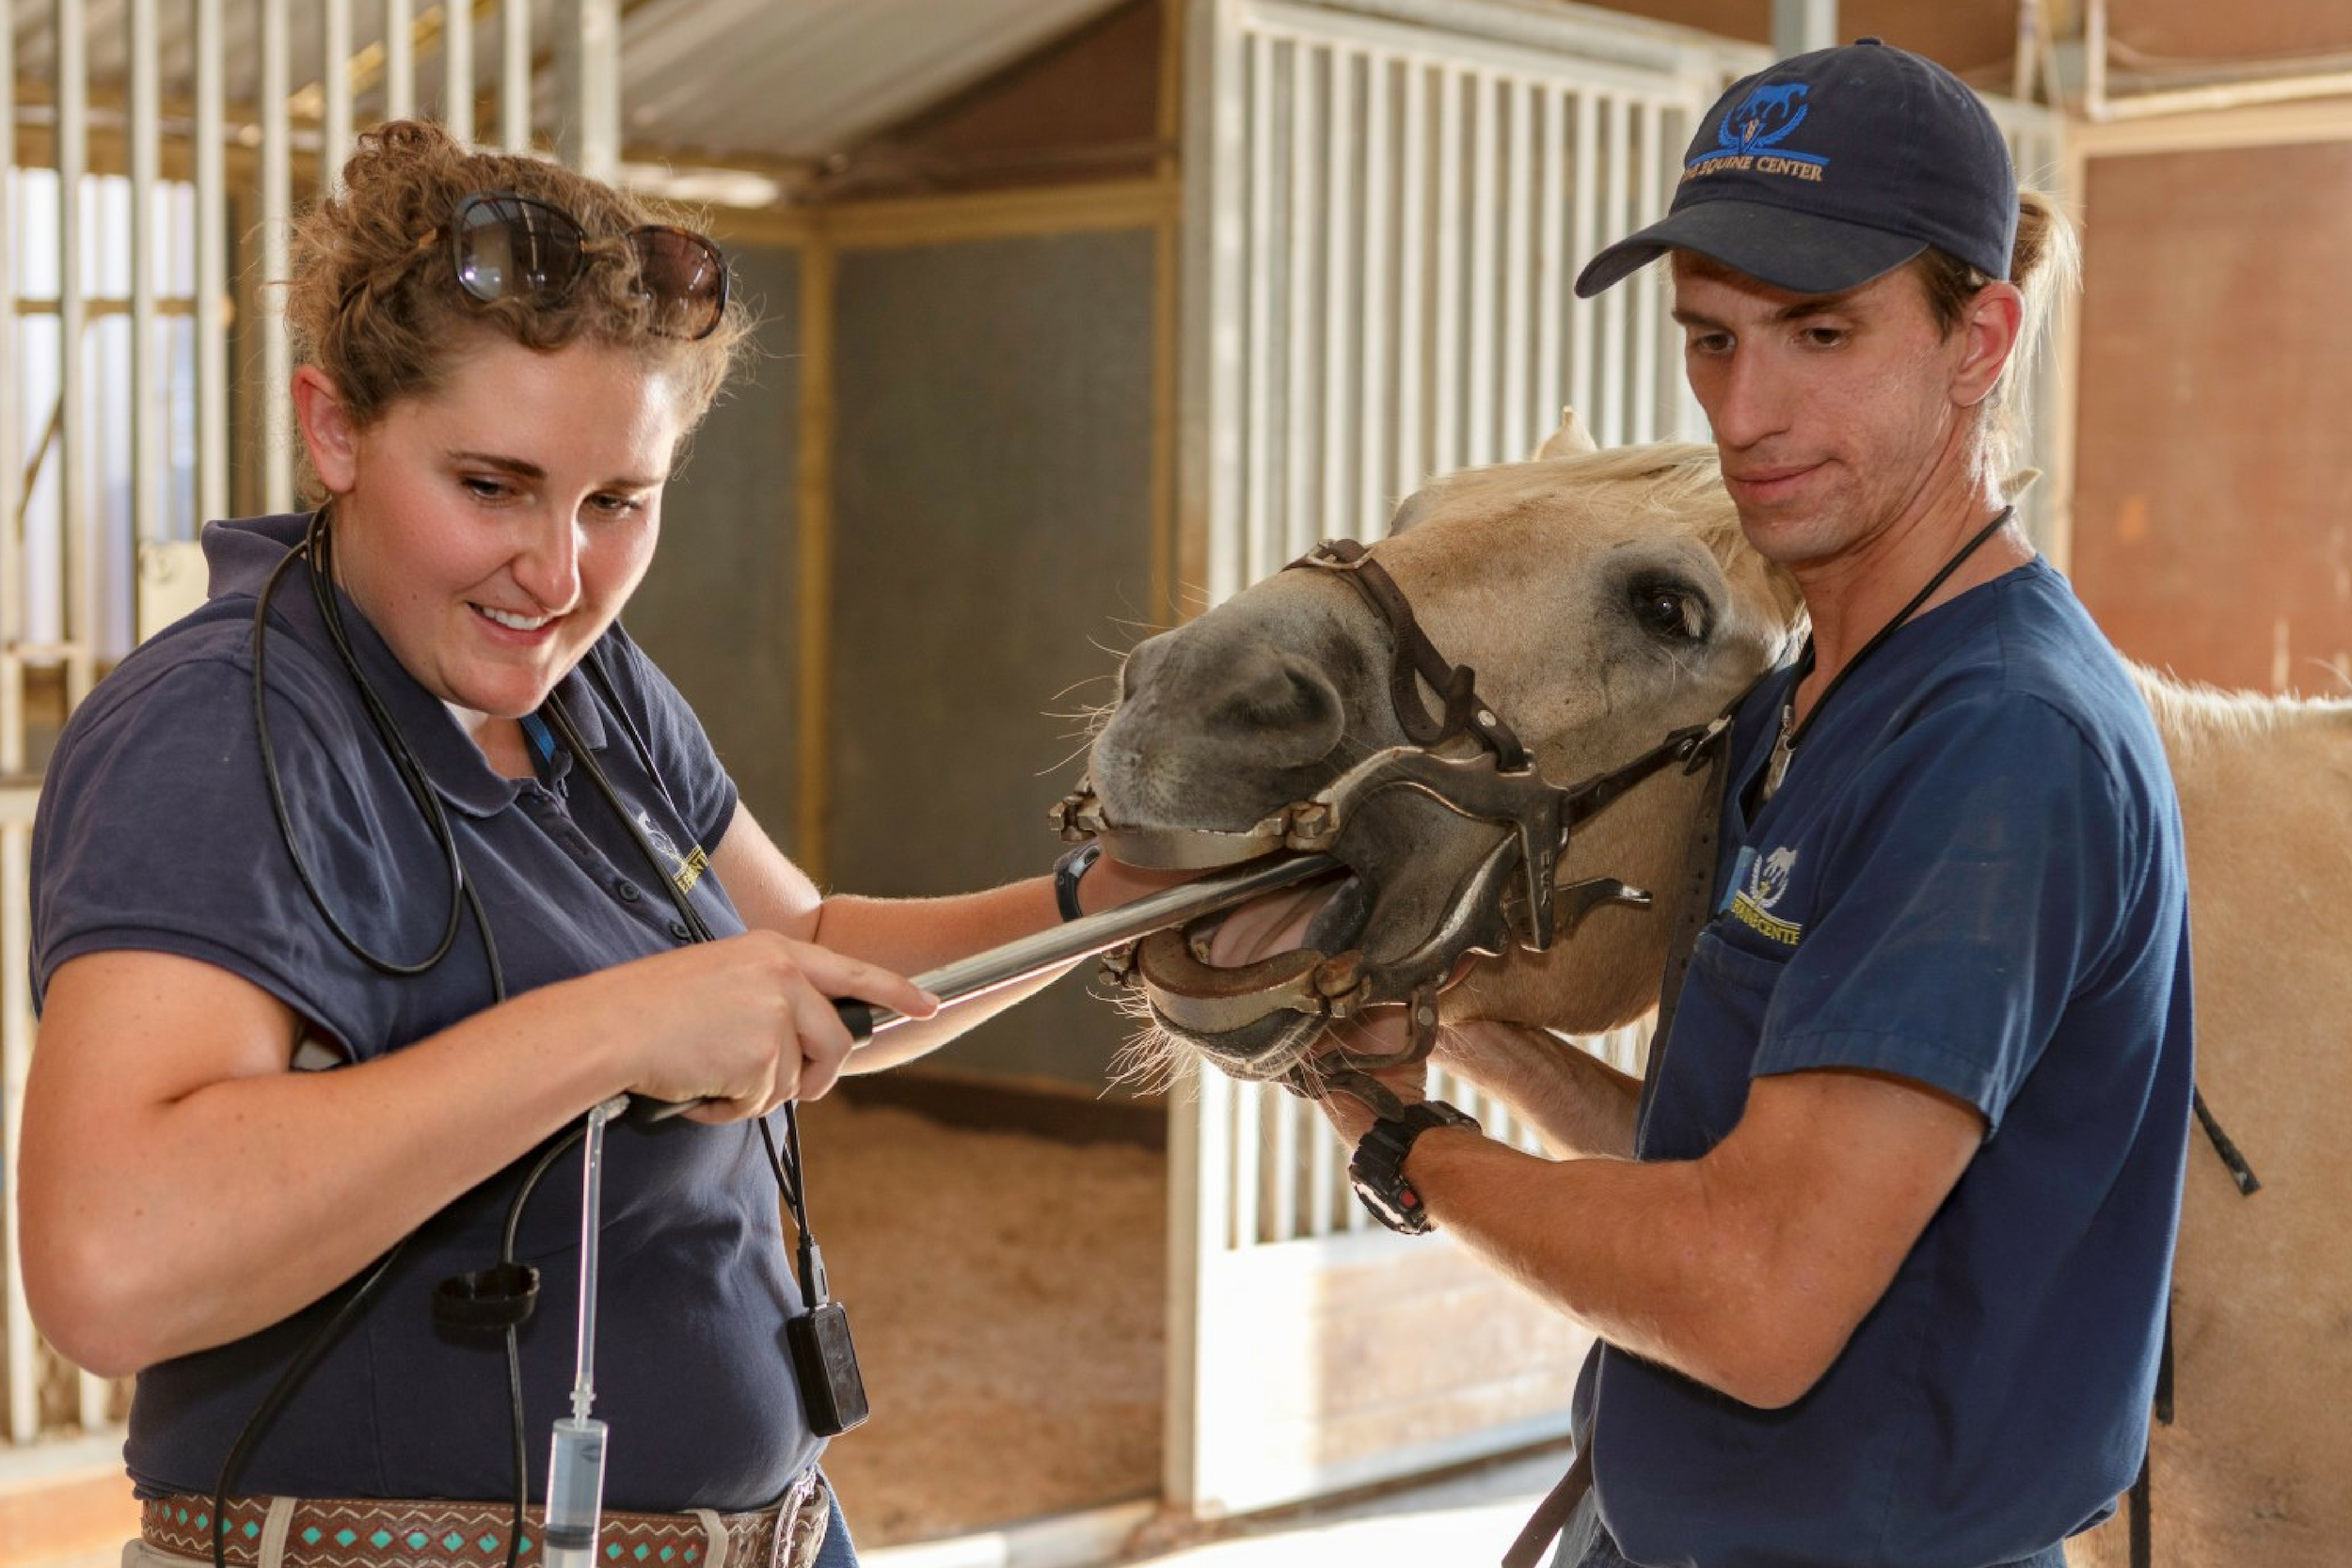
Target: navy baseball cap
column 1831, row 169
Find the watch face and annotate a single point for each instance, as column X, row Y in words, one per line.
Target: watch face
column 1377, row 1169
column 1400, row 1211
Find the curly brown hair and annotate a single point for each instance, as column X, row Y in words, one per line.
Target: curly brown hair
column 374, row 302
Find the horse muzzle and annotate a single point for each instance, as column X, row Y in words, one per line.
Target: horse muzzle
column 1449, row 858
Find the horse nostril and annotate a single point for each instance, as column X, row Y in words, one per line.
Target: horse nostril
column 1283, row 703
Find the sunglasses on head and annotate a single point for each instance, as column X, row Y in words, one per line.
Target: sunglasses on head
column 504, row 246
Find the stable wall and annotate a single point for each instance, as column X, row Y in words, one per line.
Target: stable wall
column 1976, row 39
column 992, row 548
column 717, row 610
column 2213, row 506
column 977, row 416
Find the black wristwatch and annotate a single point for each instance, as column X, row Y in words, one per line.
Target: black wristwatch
column 1067, row 871
column 1376, row 1171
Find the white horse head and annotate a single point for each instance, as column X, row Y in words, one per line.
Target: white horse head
column 1602, row 598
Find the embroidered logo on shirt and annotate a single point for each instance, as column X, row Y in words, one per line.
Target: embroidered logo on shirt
column 685, row 870
column 1758, row 881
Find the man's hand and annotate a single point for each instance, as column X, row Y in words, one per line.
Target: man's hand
column 1380, row 1032
column 1278, row 924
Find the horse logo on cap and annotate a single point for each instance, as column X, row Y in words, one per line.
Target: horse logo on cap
column 1764, row 117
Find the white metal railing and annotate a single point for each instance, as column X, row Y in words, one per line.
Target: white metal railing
column 150, row 167
column 1386, row 237
column 1290, row 1174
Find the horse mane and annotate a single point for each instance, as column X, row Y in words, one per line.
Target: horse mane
column 2185, row 709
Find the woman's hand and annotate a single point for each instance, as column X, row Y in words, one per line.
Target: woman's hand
column 742, row 1025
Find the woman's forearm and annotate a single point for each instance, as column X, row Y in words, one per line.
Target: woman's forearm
column 180, row 1188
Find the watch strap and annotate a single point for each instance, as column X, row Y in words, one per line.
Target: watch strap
column 1376, row 1170
column 1067, row 870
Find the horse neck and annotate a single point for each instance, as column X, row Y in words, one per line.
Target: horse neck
column 2226, row 746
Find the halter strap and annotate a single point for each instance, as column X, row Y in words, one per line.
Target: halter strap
column 1416, row 659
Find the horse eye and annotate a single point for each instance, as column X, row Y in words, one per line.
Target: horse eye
column 1670, row 611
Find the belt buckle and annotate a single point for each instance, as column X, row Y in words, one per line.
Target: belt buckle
column 780, row 1554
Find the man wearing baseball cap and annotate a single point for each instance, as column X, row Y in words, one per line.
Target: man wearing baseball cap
column 1881, row 1282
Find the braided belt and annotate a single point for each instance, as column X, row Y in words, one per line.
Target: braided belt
column 384, row 1533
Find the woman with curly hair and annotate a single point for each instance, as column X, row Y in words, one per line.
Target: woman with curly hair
column 358, row 888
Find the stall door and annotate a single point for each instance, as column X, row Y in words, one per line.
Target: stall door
column 1386, row 205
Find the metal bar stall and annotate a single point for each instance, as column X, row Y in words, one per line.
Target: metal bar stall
column 1398, row 195
column 172, row 151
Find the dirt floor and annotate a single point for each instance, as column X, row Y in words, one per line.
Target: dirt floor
column 1008, row 1294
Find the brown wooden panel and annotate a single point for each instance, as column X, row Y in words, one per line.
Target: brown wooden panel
column 2193, row 30
column 1358, row 1349
column 2214, row 484
column 1083, row 108
column 1964, row 35
column 1971, row 36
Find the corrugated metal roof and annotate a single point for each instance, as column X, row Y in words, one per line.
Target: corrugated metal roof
column 802, row 78
column 767, row 80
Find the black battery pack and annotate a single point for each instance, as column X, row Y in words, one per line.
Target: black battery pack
column 825, row 1360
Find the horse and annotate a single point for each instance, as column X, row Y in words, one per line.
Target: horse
column 1607, row 598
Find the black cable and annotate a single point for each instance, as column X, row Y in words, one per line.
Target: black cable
column 513, row 1344
column 787, row 1166
column 1792, row 732
column 280, row 1391
column 1804, row 658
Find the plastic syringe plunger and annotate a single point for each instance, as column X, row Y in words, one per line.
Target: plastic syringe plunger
column 575, row 1459
column 575, row 1492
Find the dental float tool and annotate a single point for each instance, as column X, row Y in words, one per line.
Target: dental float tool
column 576, row 1461
column 995, row 968
column 1050, row 949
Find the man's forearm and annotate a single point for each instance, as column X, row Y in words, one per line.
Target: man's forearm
column 1576, row 1103
column 1642, row 1254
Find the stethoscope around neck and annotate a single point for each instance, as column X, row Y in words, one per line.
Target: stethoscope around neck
column 1791, row 730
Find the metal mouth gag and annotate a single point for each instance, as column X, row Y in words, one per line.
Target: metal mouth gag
column 1262, row 1021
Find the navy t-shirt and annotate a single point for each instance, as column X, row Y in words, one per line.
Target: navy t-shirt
column 155, row 833
column 1972, row 876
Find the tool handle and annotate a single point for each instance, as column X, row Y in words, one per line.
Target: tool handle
column 856, row 1016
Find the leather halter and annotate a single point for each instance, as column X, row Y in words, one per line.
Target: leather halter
column 1416, row 659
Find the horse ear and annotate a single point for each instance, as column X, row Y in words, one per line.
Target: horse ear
column 1570, row 440
column 1408, row 511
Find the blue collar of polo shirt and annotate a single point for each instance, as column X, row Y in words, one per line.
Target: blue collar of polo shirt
column 459, row 771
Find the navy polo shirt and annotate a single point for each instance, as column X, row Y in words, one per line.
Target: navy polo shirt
column 1973, row 878
column 155, row 833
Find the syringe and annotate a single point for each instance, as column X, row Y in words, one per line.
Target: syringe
column 576, row 1461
